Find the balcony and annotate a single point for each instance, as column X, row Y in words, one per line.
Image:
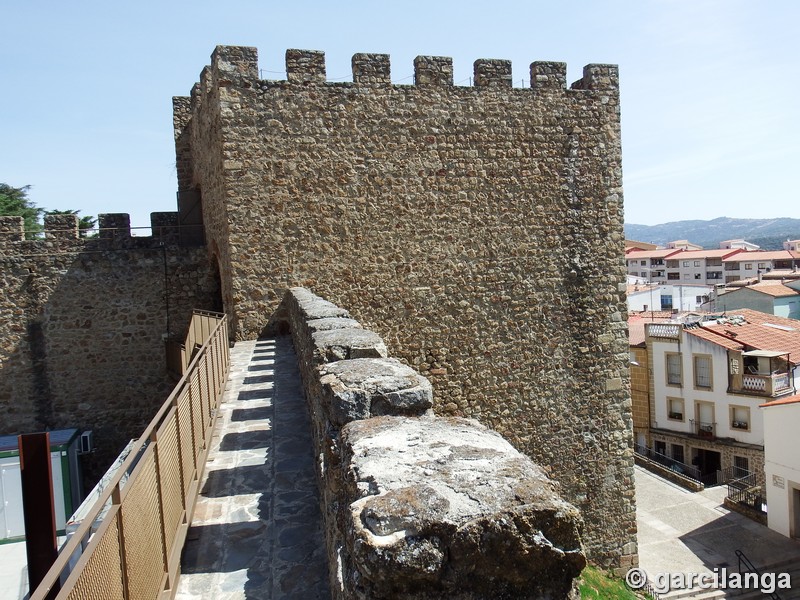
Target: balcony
column 701, row 429
column 664, row 330
column 765, row 374
column 764, row 385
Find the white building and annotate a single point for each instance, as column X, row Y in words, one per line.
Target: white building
column 782, row 465
column 708, row 380
column 643, row 297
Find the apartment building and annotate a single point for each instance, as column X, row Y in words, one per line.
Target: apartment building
column 707, row 381
column 747, row 265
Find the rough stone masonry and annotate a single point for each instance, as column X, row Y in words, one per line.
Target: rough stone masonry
column 477, row 230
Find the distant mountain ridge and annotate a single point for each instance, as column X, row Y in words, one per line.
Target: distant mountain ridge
column 767, row 233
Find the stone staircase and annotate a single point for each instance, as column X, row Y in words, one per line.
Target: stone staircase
column 791, row 566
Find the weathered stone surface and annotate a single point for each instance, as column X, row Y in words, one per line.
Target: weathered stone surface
column 444, row 508
column 366, row 387
column 330, row 323
column 341, row 344
column 314, row 307
column 418, row 507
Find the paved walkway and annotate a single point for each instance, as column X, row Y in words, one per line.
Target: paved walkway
column 257, row 532
column 685, row 532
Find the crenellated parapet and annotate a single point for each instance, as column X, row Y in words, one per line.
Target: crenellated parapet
column 237, row 63
column 62, row 233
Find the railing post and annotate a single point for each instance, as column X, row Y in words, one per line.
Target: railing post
column 116, row 499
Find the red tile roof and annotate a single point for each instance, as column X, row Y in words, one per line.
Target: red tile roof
column 786, row 400
column 637, row 321
column 718, row 253
column 760, row 255
column 663, row 253
column 761, row 331
column 714, row 338
column 773, row 288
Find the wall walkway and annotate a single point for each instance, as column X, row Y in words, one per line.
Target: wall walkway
column 256, row 531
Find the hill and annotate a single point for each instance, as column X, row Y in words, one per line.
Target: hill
column 767, row 233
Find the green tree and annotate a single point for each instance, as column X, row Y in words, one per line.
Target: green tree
column 85, row 224
column 15, row 202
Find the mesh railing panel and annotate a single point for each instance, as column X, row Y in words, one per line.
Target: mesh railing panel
column 188, row 454
column 101, row 577
column 169, row 465
column 141, row 529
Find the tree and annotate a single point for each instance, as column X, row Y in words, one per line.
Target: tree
column 15, row 202
column 85, row 224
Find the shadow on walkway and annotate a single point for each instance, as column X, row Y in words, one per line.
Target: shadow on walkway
column 257, row 530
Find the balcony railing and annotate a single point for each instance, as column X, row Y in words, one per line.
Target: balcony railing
column 664, row 330
column 764, row 385
column 136, row 549
column 704, row 430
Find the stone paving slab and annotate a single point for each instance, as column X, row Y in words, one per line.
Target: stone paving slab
column 257, row 530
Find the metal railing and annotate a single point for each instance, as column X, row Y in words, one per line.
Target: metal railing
column 749, row 567
column 703, row 429
column 135, row 552
column 746, row 490
column 676, row 466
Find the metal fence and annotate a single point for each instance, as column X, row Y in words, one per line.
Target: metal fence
column 746, row 490
column 677, row 466
column 135, row 552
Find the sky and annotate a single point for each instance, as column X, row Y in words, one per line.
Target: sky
column 709, row 88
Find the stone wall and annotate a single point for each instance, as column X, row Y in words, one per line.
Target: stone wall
column 417, row 506
column 477, row 229
column 81, row 325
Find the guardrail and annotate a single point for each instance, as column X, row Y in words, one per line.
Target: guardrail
column 135, row 552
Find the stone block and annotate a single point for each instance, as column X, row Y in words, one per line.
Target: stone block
column 366, row 387
column 341, row 344
column 445, row 508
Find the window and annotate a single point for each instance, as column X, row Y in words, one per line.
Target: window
column 687, row 276
column 673, row 369
column 660, row 447
column 697, row 263
column 740, row 418
column 677, row 452
column 762, row 266
column 643, row 263
column 748, row 266
column 675, row 409
column 698, row 299
column 673, row 264
column 666, row 302
column 644, row 273
column 702, row 372
column 741, row 466
column 673, row 276
column 686, row 263
column 697, row 276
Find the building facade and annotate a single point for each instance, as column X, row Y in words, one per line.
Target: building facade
column 708, row 381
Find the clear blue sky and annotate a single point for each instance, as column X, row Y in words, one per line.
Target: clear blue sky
column 710, row 88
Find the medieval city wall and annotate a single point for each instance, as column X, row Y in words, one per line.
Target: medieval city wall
column 477, row 229
column 82, row 324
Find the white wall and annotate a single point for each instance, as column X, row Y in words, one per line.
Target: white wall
column 782, row 460
column 718, row 394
